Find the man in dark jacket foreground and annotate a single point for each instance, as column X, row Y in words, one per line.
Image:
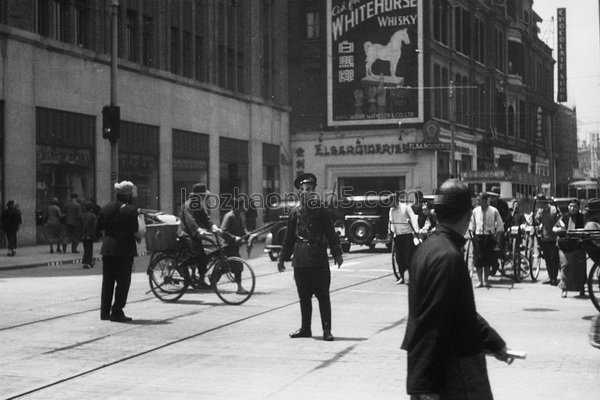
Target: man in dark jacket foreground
column 446, row 339
column 119, row 220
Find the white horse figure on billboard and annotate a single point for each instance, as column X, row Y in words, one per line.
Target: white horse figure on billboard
column 390, row 52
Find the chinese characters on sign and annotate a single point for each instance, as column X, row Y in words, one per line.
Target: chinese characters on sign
column 375, row 69
column 561, row 67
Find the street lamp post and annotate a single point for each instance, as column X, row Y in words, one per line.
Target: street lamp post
column 452, row 117
column 114, row 144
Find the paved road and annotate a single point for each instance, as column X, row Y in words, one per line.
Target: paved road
column 55, row 346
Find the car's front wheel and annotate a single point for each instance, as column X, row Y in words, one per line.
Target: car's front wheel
column 361, row 232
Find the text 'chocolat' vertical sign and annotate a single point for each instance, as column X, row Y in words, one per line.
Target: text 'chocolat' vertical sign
column 561, row 66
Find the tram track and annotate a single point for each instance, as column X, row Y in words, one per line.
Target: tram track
column 147, row 298
column 169, row 343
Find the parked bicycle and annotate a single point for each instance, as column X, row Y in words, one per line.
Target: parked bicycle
column 171, row 272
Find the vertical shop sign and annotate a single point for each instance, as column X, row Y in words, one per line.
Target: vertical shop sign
column 561, row 65
column 375, row 66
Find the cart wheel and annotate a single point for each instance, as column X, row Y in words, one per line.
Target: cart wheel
column 593, row 284
column 233, row 280
column 165, row 278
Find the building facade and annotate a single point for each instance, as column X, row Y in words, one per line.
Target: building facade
column 393, row 95
column 565, row 145
column 201, row 85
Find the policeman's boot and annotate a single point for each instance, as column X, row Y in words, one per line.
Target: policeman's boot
column 327, row 336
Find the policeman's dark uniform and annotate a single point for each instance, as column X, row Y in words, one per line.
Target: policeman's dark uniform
column 119, row 220
column 309, row 232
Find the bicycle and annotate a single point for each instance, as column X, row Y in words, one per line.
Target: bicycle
column 590, row 239
column 170, row 272
column 515, row 259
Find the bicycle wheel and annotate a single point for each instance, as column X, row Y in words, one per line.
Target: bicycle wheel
column 165, row 278
column 535, row 259
column 593, row 284
column 394, row 264
column 233, row 280
column 468, row 251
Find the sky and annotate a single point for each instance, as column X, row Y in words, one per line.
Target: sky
column 583, row 56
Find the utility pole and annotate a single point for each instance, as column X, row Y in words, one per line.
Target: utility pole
column 114, row 144
column 452, row 117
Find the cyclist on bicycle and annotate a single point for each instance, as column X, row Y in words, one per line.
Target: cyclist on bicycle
column 196, row 223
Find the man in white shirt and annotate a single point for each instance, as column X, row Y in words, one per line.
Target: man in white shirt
column 403, row 223
column 485, row 224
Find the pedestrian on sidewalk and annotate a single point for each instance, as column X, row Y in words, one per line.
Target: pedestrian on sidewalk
column 309, row 231
column 72, row 223
column 446, row 339
column 11, row 222
column 485, row 224
column 54, row 229
column 571, row 253
column 403, row 223
column 88, row 234
column 547, row 216
column 119, row 221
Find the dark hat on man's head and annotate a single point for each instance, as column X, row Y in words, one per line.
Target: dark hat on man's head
column 453, row 195
column 200, row 188
column 541, row 197
column 305, row 178
column 593, row 206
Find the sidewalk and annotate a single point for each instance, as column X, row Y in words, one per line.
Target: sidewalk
column 39, row 256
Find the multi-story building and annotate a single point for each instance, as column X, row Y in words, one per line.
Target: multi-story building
column 388, row 95
column 565, row 145
column 202, row 90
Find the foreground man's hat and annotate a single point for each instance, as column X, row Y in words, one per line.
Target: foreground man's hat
column 124, row 187
column 453, row 194
column 305, row 178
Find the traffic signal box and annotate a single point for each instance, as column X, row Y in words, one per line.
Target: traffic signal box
column 111, row 118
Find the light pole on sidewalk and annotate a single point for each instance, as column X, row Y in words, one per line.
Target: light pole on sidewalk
column 115, row 114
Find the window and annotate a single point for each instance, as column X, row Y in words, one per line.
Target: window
column 440, row 92
column 187, row 55
column 500, row 113
column 148, row 41
column 130, row 36
column 479, row 50
column 500, row 50
column 312, row 25
column 462, row 30
column 42, row 22
column 60, row 20
column 441, row 18
column 82, row 23
column 175, row 65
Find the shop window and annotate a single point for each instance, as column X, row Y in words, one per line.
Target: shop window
column 138, row 161
column 271, row 170
column 190, row 164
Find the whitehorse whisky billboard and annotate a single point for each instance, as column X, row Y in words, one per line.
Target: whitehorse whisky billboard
column 375, row 66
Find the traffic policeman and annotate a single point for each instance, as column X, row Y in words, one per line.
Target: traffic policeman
column 309, row 232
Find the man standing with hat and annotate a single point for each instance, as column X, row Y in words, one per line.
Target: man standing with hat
column 119, row 220
column 196, row 223
column 446, row 339
column 547, row 216
column 309, row 232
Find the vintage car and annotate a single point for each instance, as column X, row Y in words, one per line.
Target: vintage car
column 366, row 220
column 278, row 213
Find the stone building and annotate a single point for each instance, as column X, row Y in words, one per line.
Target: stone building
column 393, row 95
column 201, row 86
